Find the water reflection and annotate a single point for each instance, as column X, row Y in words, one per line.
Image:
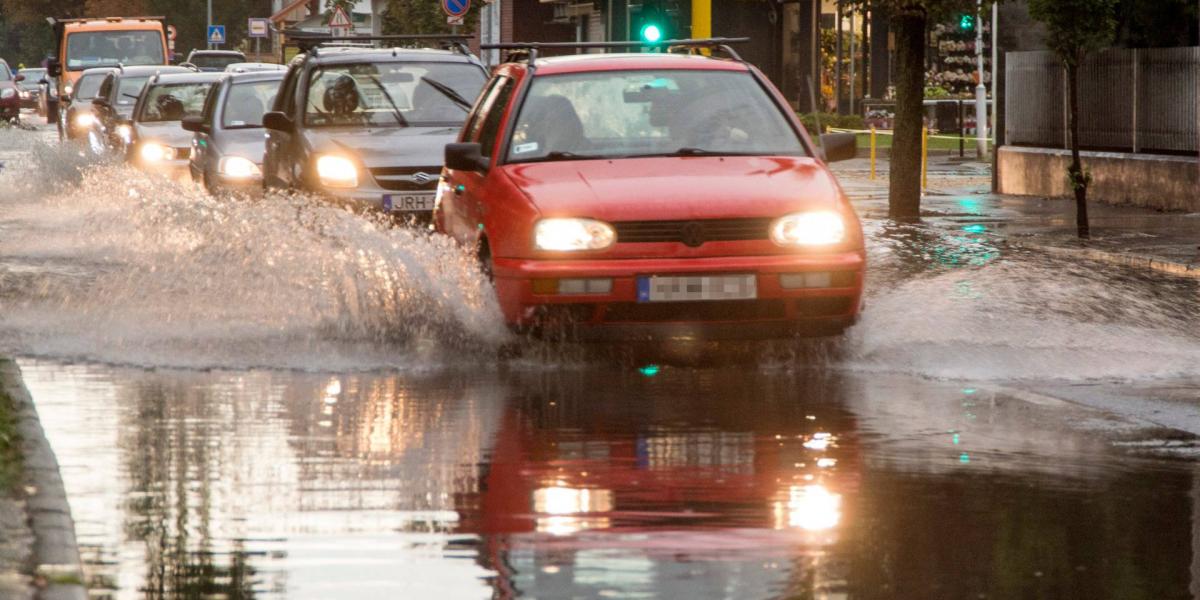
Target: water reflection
column 599, row 483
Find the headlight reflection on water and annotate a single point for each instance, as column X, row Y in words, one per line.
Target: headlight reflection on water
column 564, row 508
column 810, row 507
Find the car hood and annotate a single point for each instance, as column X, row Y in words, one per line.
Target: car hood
column 247, row 143
column 386, row 146
column 653, row 189
column 170, row 133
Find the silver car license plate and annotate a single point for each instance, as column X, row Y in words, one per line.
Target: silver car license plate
column 410, row 202
column 691, row 288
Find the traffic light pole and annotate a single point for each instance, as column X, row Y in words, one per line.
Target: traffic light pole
column 981, row 123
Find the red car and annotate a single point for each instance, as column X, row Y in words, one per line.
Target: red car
column 652, row 196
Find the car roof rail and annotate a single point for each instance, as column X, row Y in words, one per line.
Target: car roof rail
column 310, row 43
column 528, row 51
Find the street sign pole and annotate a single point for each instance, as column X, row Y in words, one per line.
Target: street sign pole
column 981, row 124
column 208, row 25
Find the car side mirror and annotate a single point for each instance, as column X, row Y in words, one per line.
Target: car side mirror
column 194, row 124
column 839, row 146
column 466, row 157
column 19, row 78
column 277, row 121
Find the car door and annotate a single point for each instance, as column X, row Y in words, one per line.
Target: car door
column 467, row 196
column 279, row 166
column 203, row 160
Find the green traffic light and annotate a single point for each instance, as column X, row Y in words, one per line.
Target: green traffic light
column 966, row 22
column 651, row 33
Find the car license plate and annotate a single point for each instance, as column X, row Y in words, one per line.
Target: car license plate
column 691, row 288
column 411, row 202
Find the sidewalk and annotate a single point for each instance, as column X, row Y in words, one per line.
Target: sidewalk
column 959, row 192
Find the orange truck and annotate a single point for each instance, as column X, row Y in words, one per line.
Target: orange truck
column 105, row 42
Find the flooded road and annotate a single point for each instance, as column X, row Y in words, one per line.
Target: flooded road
column 277, row 399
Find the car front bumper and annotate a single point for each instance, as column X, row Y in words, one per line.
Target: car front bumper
column 776, row 311
column 372, row 198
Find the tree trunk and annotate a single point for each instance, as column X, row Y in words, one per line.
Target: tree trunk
column 904, row 185
column 1079, row 181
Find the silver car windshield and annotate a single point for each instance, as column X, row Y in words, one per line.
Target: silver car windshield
column 611, row 114
column 246, row 103
column 173, row 102
column 392, row 94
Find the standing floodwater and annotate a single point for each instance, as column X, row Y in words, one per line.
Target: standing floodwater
column 275, row 398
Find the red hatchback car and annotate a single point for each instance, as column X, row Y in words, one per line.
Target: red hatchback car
column 652, row 196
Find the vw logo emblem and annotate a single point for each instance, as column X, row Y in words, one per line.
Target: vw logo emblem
column 692, row 234
column 423, row 178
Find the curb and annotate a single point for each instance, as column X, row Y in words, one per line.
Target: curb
column 1137, row 261
column 55, row 551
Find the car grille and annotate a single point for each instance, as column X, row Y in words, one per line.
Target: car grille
column 692, row 233
column 407, row 179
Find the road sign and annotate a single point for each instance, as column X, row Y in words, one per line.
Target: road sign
column 216, row 34
column 340, row 23
column 171, row 32
column 456, row 8
column 259, row 28
column 455, row 20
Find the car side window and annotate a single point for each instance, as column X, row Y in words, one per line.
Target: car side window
column 476, row 118
column 106, row 88
column 283, row 100
column 491, row 121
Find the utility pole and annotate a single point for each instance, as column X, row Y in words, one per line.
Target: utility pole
column 837, row 64
column 852, row 61
column 208, row 24
column 981, row 124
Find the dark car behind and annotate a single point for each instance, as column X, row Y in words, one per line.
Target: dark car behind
column 214, row 60
column 75, row 116
column 10, row 93
column 114, row 104
column 31, row 87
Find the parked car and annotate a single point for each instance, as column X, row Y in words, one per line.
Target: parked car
column 75, row 115
column 367, row 127
column 31, row 87
column 158, row 142
column 228, row 145
column 652, row 197
column 10, row 93
column 114, row 103
column 214, row 60
column 251, row 67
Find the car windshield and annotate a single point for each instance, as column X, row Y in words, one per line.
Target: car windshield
column 88, row 49
column 215, row 61
column 32, row 77
column 247, row 102
column 5, row 74
column 88, row 86
column 650, row 113
column 173, row 102
column 130, row 88
column 392, row 94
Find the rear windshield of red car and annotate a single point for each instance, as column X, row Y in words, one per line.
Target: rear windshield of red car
column 628, row 114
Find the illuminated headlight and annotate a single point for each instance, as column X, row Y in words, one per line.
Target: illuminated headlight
column 68, row 89
column 156, row 152
column 84, row 120
column 124, row 132
column 337, row 171
column 567, row 235
column 24, row 95
column 236, row 167
column 7, row 93
column 815, row 228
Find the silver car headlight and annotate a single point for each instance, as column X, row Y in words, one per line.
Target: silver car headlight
column 67, row 89
column 570, row 235
column 337, row 171
column 236, row 167
column 84, row 120
column 811, row 228
column 152, row 152
column 125, row 132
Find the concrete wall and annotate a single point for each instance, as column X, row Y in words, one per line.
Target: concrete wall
column 1155, row 181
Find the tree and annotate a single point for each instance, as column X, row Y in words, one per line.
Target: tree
column 910, row 21
column 1075, row 29
column 410, row 17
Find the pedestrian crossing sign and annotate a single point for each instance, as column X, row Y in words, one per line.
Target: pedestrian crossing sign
column 216, row 34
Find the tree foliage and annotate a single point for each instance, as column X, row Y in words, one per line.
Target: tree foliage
column 411, row 17
column 1075, row 28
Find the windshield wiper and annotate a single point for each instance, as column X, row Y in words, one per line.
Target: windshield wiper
column 395, row 109
column 567, row 155
column 449, row 92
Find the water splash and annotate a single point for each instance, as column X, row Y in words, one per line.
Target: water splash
column 131, row 268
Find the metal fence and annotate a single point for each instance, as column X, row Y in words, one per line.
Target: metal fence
column 1142, row 100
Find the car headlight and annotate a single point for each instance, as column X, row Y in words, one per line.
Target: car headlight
column 68, row 89
column 813, row 228
column 567, row 235
column 84, row 120
column 152, row 152
column 7, row 93
column 24, row 94
column 337, row 171
column 125, row 132
column 236, row 167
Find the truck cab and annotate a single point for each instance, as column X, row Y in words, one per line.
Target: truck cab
column 105, row 42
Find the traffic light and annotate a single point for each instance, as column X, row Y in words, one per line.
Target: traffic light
column 966, row 22
column 652, row 23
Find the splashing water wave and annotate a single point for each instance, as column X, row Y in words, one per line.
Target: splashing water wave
column 121, row 266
